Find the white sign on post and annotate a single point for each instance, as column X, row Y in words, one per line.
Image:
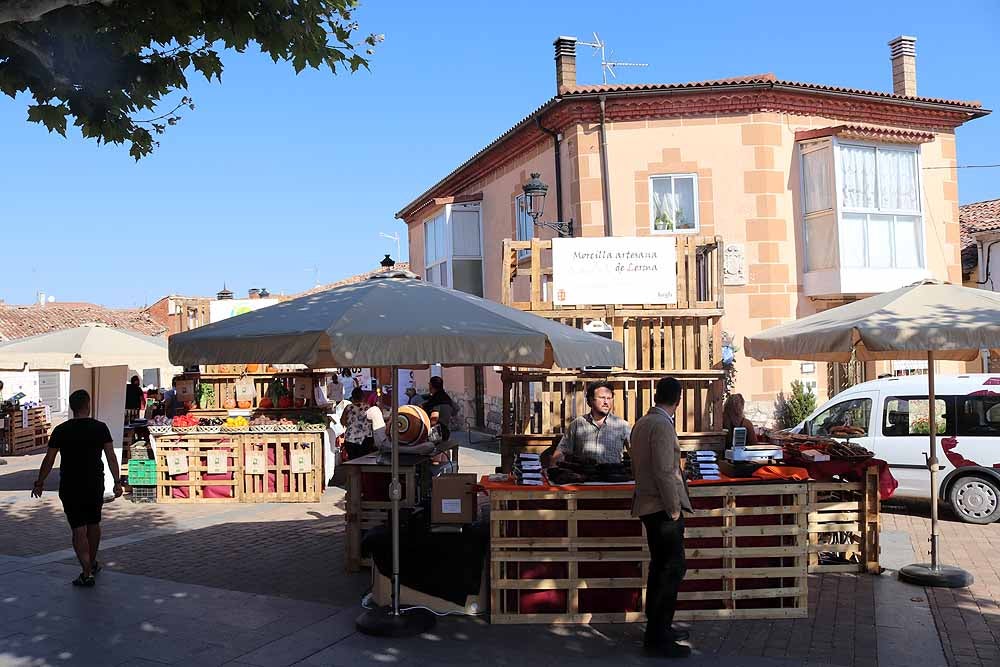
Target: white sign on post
column 616, row 269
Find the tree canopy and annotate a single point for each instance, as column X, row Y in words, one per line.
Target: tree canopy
column 118, row 69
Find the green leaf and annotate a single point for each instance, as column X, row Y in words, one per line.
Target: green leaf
column 51, row 116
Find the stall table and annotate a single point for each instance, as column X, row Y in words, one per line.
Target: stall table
column 574, row 554
column 368, row 503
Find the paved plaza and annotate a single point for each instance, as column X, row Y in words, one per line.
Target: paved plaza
column 265, row 585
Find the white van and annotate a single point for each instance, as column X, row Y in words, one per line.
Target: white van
column 893, row 414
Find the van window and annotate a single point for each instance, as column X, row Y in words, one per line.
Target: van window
column 849, row 413
column 908, row 415
column 979, row 415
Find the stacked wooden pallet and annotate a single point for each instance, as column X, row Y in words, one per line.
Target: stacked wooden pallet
column 24, row 431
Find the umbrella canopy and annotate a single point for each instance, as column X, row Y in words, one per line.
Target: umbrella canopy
column 393, row 319
column 954, row 322
column 93, row 345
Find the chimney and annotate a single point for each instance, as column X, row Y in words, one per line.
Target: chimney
column 904, row 65
column 41, row 298
column 254, row 293
column 565, row 63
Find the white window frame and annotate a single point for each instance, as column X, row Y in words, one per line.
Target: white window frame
column 448, row 257
column 868, row 212
column 652, row 205
column 521, row 217
column 838, row 201
column 443, row 257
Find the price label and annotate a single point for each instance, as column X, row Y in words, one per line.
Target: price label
column 185, row 391
column 302, row 388
column 177, row 464
column 255, row 463
column 301, row 461
column 218, row 462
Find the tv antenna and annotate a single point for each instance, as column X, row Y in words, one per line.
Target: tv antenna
column 315, row 271
column 608, row 66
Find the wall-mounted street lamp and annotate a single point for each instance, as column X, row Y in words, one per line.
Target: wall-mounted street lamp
column 534, row 200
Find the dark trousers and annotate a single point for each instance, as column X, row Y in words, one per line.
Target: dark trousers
column 666, row 571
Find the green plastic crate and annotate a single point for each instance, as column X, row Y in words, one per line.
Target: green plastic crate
column 141, row 473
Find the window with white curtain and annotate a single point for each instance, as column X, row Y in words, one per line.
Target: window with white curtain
column 876, row 190
column 673, row 204
column 524, row 226
column 880, row 207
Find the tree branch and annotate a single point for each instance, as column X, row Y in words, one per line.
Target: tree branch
column 27, row 11
column 20, row 39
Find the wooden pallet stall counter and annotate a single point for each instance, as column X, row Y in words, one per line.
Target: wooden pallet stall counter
column 199, row 468
column 576, row 555
column 215, row 390
column 24, row 431
column 282, row 467
column 682, row 339
column 844, row 525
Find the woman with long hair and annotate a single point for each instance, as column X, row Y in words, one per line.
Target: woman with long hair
column 733, row 417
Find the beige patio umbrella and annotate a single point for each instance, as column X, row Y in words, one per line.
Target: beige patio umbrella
column 928, row 320
column 93, row 345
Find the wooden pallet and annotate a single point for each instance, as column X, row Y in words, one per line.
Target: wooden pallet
column 16, row 439
column 197, row 489
column 844, row 520
column 584, row 551
column 279, row 484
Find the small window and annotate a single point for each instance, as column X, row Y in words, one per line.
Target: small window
column 906, row 416
column 673, row 206
column 817, row 179
column 979, row 416
column 524, row 226
column 854, row 413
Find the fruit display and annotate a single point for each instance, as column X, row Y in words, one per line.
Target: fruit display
column 262, row 424
column 285, row 425
column 236, row 424
column 311, row 422
column 159, row 425
column 278, row 394
column 184, row 423
column 210, row 424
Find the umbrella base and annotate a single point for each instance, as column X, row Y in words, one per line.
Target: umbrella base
column 944, row 576
column 380, row 622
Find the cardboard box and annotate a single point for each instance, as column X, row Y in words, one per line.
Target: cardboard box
column 453, row 499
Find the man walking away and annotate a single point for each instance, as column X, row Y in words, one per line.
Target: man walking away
column 660, row 497
column 81, row 479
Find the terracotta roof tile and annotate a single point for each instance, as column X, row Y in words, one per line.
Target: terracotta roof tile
column 23, row 321
column 766, row 79
column 982, row 216
column 400, row 266
column 867, row 132
column 759, row 80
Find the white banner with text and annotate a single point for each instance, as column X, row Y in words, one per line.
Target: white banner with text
column 614, row 270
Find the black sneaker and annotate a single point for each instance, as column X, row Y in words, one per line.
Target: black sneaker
column 85, row 581
column 676, row 634
column 668, row 650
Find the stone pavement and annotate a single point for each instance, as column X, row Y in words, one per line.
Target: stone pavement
column 264, row 585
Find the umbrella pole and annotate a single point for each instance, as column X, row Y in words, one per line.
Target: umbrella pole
column 934, row 574
column 932, row 462
column 391, row 621
column 395, row 494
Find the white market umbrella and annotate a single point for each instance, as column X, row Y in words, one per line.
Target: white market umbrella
column 93, row 345
column 394, row 320
column 928, row 320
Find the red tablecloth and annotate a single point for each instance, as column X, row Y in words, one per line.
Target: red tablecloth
column 487, row 485
column 854, row 471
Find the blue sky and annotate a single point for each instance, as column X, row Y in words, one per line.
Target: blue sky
column 274, row 174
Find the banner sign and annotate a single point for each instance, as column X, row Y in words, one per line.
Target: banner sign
column 255, row 463
column 218, row 462
column 614, row 270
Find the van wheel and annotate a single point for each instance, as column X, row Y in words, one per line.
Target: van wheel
column 975, row 499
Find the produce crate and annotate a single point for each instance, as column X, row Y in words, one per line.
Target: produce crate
column 143, row 494
column 141, row 473
column 18, row 438
column 844, row 525
column 198, row 485
column 279, row 483
column 578, row 556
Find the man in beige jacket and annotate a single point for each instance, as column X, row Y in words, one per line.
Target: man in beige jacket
column 660, row 497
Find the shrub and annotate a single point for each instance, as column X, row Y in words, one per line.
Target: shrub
column 792, row 409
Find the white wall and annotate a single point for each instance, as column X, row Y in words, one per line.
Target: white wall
column 19, row 381
column 106, row 386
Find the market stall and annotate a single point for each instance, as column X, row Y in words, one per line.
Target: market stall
column 24, row 428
